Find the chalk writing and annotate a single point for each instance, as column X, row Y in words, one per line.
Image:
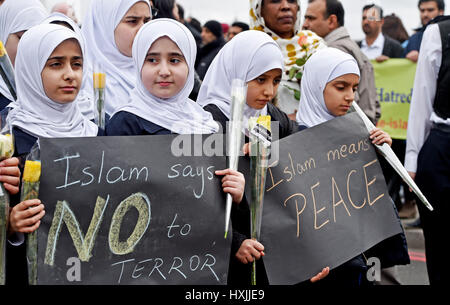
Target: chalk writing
column 141, row 202
column 291, row 171
column 113, row 175
column 336, row 200
column 345, row 150
column 178, row 170
column 163, row 269
column 83, row 244
column 185, row 230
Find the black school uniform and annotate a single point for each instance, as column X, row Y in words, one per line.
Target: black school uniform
column 3, row 102
column 125, row 123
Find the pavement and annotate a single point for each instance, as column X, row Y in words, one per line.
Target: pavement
column 416, row 272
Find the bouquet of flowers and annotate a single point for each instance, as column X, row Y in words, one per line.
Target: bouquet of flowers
column 30, row 190
column 7, row 71
column 260, row 144
column 234, row 135
column 6, row 151
column 99, row 97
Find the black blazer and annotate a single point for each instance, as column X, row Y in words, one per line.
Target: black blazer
column 392, row 48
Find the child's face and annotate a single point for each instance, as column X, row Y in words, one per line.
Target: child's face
column 263, row 89
column 128, row 27
column 340, row 93
column 63, row 72
column 165, row 70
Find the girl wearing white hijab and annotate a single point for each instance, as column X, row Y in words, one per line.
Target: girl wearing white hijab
column 45, row 98
column 164, row 52
column 109, row 28
column 49, row 72
column 85, row 98
column 260, row 67
column 16, row 16
column 328, row 88
column 329, row 82
column 166, row 107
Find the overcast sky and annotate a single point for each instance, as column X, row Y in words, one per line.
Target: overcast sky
column 230, row 10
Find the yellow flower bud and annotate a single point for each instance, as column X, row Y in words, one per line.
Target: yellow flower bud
column 99, row 80
column 32, row 171
column 2, row 49
column 264, row 120
column 6, row 146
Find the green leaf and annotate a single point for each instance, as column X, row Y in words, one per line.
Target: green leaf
column 292, row 72
column 299, row 75
column 297, row 95
column 301, row 62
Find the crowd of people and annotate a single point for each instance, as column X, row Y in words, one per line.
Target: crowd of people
column 168, row 73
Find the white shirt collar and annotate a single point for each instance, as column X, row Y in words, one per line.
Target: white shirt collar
column 378, row 43
column 376, row 49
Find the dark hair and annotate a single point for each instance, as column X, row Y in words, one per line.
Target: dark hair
column 165, row 8
column 180, row 12
column 196, row 24
column 394, row 28
column 440, row 4
column 63, row 23
column 334, row 7
column 369, row 6
column 242, row 25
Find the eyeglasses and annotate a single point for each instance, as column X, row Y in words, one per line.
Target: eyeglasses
column 371, row 18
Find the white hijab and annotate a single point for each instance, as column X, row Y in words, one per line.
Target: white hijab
column 85, row 98
column 248, row 55
column 17, row 16
column 323, row 67
column 179, row 113
column 36, row 113
column 98, row 30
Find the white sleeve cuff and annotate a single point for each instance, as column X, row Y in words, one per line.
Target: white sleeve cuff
column 411, row 162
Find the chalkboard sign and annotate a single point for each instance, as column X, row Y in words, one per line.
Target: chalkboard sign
column 124, row 210
column 326, row 201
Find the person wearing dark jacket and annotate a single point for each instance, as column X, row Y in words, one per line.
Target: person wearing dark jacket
column 376, row 45
column 213, row 41
column 195, row 33
column 429, row 9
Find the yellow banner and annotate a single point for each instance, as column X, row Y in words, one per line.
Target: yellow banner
column 394, row 80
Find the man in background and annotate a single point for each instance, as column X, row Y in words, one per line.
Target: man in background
column 195, row 33
column 428, row 144
column 236, row 28
column 213, row 41
column 375, row 45
column 429, row 9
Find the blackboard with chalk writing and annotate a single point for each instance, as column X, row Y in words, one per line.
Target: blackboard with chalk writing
column 125, row 210
column 326, row 201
